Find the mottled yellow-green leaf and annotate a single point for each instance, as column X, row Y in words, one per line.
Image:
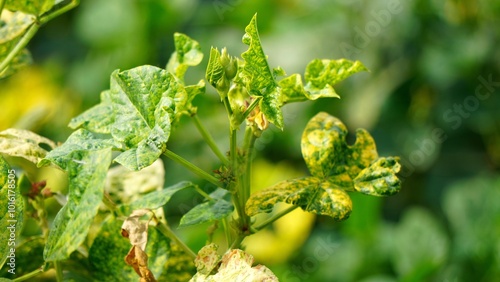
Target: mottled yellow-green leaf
column 259, row 77
column 379, row 179
column 99, row 118
column 34, row 7
column 310, row 193
column 187, row 53
column 215, row 70
column 11, row 213
column 215, row 209
column 86, row 173
column 323, row 144
column 322, row 75
column 25, row 144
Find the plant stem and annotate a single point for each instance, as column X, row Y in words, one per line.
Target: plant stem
column 59, row 273
column 203, row 193
column 165, row 230
column 33, row 29
column 58, row 11
column 210, row 141
column 196, row 170
column 251, row 107
column 273, row 218
column 248, row 146
column 29, row 275
column 19, row 46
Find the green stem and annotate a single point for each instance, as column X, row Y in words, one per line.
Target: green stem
column 29, row 275
column 203, row 193
column 19, row 46
column 59, row 273
column 236, row 243
column 248, row 146
column 273, row 218
column 251, row 107
column 210, row 141
column 227, row 231
column 58, row 11
column 194, row 169
column 108, row 202
column 165, row 230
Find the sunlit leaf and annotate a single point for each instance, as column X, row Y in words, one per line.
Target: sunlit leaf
column 25, row 144
column 216, row 209
column 34, row 7
column 187, row 53
column 236, row 265
column 310, row 193
column 86, row 172
column 259, row 77
column 322, row 75
column 379, row 179
column 11, row 214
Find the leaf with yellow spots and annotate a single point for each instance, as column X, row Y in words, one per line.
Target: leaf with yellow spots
column 336, row 167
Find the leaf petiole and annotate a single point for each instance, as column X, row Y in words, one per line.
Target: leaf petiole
column 209, row 139
column 273, row 218
column 167, row 232
column 30, row 274
column 194, row 169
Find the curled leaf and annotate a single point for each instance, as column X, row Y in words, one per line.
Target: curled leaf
column 135, row 229
column 379, row 179
column 25, row 144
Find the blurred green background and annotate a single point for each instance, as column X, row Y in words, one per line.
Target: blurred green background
column 431, row 97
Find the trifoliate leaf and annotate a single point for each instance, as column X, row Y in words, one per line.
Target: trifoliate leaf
column 187, row 53
column 25, row 144
column 86, row 172
column 259, row 77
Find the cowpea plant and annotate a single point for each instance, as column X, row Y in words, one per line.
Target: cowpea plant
column 131, row 127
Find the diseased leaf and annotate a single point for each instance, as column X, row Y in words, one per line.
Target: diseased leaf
column 99, row 118
column 21, row 60
column 86, row 172
column 156, row 199
column 379, row 179
column 11, row 214
column 216, row 209
column 322, row 75
column 135, row 229
column 106, row 255
column 25, row 144
column 207, row 259
column 187, row 53
column 323, row 144
column 215, row 71
column 309, row 193
column 236, row 265
column 259, row 77
column 34, row 7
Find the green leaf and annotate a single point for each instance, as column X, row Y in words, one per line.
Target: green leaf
column 215, row 73
column 99, row 118
column 309, row 193
column 106, row 255
column 11, row 214
column 187, row 53
column 156, row 199
column 379, row 179
column 34, row 7
column 13, row 25
column 216, row 209
column 322, row 75
column 259, row 78
column 86, row 172
column 25, row 144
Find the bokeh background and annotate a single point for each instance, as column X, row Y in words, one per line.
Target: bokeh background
column 431, row 97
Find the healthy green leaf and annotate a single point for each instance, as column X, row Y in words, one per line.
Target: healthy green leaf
column 259, row 78
column 34, row 7
column 156, row 199
column 379, row 179
column 322, row 75
column 25, row 144
column 86, row 171
column 11, row 213
column 216, row 209
column 309, row 193
column 187, row 53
